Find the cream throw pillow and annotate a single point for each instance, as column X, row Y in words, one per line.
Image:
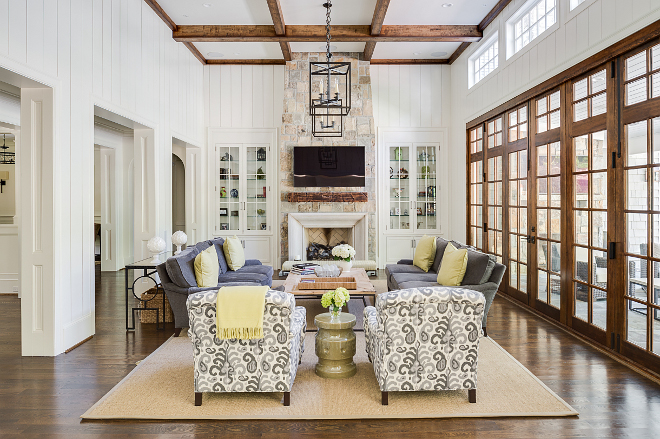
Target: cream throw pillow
column 207, row 268
column 425, row 253
column 233, row 250
column 453, row 266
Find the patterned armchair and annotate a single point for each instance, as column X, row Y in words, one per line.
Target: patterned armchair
column 264, row 365
column 425, row 339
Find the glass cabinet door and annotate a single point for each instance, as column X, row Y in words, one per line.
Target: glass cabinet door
column 257, row 188
column 400, row 205
column 228, row 187
column 426, row 193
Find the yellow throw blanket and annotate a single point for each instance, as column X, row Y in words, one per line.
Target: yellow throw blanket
column 239, row 312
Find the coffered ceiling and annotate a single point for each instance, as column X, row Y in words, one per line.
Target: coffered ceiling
column 268, row 31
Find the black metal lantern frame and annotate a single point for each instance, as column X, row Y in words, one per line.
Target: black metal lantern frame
column 332, row 100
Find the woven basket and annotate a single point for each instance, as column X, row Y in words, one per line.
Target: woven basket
column 149, row 316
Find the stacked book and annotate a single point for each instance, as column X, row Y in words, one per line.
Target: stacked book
column 303, row 268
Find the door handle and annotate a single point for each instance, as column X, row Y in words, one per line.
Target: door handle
column 530, row 239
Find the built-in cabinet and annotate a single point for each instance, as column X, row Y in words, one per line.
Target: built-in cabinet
column 243, row 197
column 412, row 178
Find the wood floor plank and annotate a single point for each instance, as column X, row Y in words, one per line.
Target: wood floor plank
column 44, row 397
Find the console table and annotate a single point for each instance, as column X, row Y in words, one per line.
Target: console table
column 148, row 272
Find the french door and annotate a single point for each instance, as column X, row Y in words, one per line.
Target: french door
column 565, row 190
column 640, row 129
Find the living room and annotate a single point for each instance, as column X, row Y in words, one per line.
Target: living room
column 520, row 132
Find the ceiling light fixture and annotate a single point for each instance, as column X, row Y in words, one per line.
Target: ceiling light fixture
column 447, row 5
column 438, row 54
column 416, row 53
column 215, row 55
column 237, row 53
column 207, row 5
column 331, row 83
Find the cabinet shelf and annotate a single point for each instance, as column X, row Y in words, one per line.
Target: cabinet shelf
column 398, row 215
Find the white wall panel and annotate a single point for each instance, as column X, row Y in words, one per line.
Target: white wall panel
column 117, row 54
column 249, row 96
column 410, row 96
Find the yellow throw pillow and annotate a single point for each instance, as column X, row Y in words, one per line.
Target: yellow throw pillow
column 234, row 253
column 207, row 268
column 453, row 266
column 425, row 253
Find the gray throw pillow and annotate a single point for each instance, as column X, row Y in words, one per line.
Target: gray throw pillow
column 440, row 246
column 477, row 266
column 492, row 260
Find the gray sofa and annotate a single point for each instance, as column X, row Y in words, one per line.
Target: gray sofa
column 478, row 276
column 177, row 275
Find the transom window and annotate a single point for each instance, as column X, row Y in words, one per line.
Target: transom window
column 589, row 96
column 642, row 76
column 576, row 3
column 547, row 112
column 486, row 60
column 532, row 22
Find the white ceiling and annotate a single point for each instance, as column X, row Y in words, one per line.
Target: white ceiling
column 431, row 12
column 313, row 12
column 408, row 50
column 347, row 12
column 240, row 50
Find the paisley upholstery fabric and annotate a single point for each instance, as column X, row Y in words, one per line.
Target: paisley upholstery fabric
column 263, row 365
column 425, row 338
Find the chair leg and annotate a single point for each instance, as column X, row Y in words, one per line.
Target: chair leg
column 385, row 398
column 177, row 331
column 287, row 399
column 485, row 332
column 472, row 395
column 198, row 399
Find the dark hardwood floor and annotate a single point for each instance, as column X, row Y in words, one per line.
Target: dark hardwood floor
column 44, row 397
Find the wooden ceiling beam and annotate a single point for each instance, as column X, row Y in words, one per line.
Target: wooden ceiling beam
column 314, row 33
column 280, row 26
column 376, row 26
column 153, row 4
column 272, row 62
column 409, row 61
column 488, row 19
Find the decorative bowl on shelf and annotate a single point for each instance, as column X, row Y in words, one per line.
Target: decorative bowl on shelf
column 261, row 211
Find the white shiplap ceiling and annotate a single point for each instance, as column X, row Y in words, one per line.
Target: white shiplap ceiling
column 311, row 12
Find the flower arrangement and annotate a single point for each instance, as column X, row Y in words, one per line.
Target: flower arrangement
column 343, row 252
column 335, row 300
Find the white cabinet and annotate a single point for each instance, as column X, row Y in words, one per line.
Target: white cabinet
column 244, row 196
column 412, row 179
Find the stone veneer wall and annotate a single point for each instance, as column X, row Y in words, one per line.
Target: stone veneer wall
column 297, row 130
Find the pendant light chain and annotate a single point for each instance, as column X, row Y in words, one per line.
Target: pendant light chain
column 328, row 54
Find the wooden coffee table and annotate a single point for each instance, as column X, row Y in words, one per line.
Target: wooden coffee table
column 364, row 287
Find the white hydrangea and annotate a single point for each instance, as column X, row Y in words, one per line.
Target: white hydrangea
column 343, row 251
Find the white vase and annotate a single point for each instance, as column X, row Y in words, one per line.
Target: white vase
column 345, row 266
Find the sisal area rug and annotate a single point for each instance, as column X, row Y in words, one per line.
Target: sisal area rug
column 161, row 387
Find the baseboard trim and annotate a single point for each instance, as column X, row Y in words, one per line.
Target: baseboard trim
column 636, row 367
column 78, row 344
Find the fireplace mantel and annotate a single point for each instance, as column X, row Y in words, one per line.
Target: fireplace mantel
column 298, row 222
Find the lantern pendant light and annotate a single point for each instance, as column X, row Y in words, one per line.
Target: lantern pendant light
column 329, row 91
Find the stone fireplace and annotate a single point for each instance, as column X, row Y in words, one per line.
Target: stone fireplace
column 305, row 228
column 358, row 217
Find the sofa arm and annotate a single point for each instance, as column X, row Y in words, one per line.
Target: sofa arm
column 371, row 332
column 249, row 262
column 405, row 262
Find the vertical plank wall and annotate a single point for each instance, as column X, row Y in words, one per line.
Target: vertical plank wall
column 117, row 54
column 578, row 34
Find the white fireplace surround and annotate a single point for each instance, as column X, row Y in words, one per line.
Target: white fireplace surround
column 298, row 222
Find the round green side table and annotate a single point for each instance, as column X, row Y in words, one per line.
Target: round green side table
column 335, row 345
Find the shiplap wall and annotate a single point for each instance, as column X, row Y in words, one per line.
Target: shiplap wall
column 411, row 96
column 249, row 96
column 577, row 35
column 119, row 55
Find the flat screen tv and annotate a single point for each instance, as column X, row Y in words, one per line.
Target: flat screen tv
column 323, row 166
